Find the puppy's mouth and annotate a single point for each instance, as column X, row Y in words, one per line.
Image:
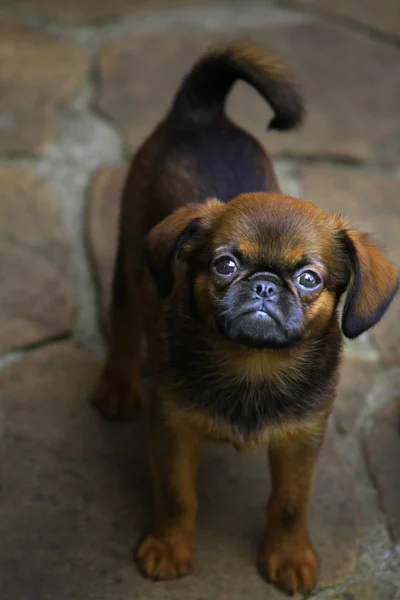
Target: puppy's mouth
column 262, row 312
column 261, row 327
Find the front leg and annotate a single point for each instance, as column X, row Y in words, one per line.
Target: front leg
column 287, row 558
column 168, row 551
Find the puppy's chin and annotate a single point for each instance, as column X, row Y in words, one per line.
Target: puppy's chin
column 259, row 330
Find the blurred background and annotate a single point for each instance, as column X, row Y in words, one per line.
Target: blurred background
column 82, row 82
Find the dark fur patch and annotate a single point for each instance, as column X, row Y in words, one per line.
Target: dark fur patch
column 289, row 517
column 244, row 164
column 248, row 406
column 229, row 160
column 163, row 274
column 119, row 291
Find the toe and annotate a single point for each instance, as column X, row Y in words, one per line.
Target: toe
column 291, row 571
column 159, row 560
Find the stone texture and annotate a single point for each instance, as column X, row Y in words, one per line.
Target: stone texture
column 102, row 226
column 19, row 132
column 384, row 17
column 358, row 591
column 346, row 115
column 387, row 335
column 36, row 295
column 356, row 378
column 98, row 10
column 76, row 497
column 38, row 72
column 371, row 201
column 382, row 447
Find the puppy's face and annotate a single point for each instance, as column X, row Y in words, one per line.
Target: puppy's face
column 267, row 271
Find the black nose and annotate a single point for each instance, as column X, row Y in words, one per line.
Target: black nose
column 265, row 289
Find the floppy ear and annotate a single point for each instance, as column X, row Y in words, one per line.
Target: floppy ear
column 374, row 282
column 179, row 234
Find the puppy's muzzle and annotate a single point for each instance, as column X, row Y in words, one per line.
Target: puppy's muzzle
column 261, row 313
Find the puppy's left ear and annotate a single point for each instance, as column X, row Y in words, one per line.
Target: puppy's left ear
column 179, row 234
column 373, row 283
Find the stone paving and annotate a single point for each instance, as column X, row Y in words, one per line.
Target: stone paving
column 82, row 82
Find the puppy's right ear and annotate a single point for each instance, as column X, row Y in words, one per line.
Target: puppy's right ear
column 179, row 234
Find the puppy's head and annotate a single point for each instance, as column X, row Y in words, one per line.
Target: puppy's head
column 266, row 270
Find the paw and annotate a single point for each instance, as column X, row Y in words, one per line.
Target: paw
column 293, row 569
column 163, row 559
column 116, row 399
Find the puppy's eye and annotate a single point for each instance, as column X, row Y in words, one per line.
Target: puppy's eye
column 309, row 280
column 225, row 265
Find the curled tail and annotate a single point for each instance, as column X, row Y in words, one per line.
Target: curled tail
column 201, row 97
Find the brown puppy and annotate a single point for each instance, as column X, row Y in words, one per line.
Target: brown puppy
column 239, row 306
